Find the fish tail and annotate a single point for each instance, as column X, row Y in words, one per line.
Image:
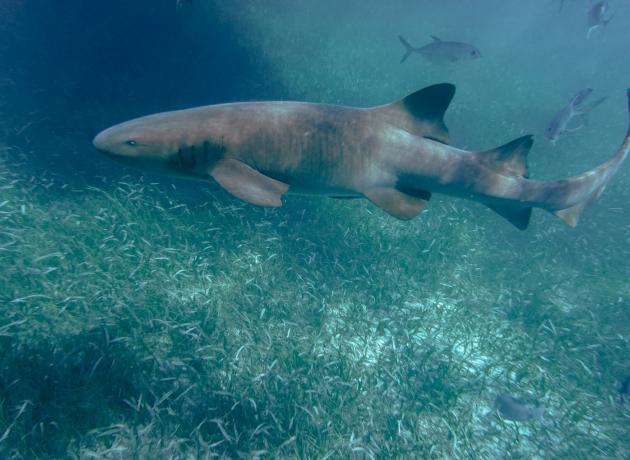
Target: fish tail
column 539, row 414
column 579, row 191
column 408, row 48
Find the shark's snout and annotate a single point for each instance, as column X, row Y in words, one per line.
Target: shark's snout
column 109, row 143
column 106, row 142
column 99, row 141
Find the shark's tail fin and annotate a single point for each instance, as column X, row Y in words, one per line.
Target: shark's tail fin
column 408, row 48
column 585, row 188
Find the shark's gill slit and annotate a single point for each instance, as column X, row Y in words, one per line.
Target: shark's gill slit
column 205, row 152
column 193, row 157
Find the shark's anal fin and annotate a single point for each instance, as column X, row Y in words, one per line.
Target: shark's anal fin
column 246, row 183
column 396, row 203
column 519, row 217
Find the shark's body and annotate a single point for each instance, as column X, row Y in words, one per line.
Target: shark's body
column 395, row 155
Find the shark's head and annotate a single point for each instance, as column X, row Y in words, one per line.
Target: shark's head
column 134, row 142
column 166, row 143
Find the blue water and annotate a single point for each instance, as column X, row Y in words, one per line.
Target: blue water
column 144, row 316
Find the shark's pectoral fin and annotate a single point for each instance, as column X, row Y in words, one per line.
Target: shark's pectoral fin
column 246, row 183
column 519, row 217
column 396, row 203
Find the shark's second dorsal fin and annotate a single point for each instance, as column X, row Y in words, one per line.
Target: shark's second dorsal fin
column 435, row 39
column 422, row 113
column 509, row 159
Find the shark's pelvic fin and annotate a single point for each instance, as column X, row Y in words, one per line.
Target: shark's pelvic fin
column 396, row 203
column 246, row 183
column 422, row 112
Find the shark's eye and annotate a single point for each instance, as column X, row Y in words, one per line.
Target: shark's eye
column 131, row 142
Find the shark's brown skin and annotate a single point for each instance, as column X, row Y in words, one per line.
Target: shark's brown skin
column 395, row 155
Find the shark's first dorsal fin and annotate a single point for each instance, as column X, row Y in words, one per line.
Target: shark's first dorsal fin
column 509, row 159
column 436, row 39
column 422, row 113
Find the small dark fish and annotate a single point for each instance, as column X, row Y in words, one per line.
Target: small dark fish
column 517, row 410
column 597, row 16
column 440, row 51
column 624, row 391
column 576, row 107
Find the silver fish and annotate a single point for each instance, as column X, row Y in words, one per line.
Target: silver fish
column 576, row 107
column 596, row 17
column 517, row 410
column 440, row 51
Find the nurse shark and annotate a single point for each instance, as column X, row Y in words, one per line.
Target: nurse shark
column 395, row 155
